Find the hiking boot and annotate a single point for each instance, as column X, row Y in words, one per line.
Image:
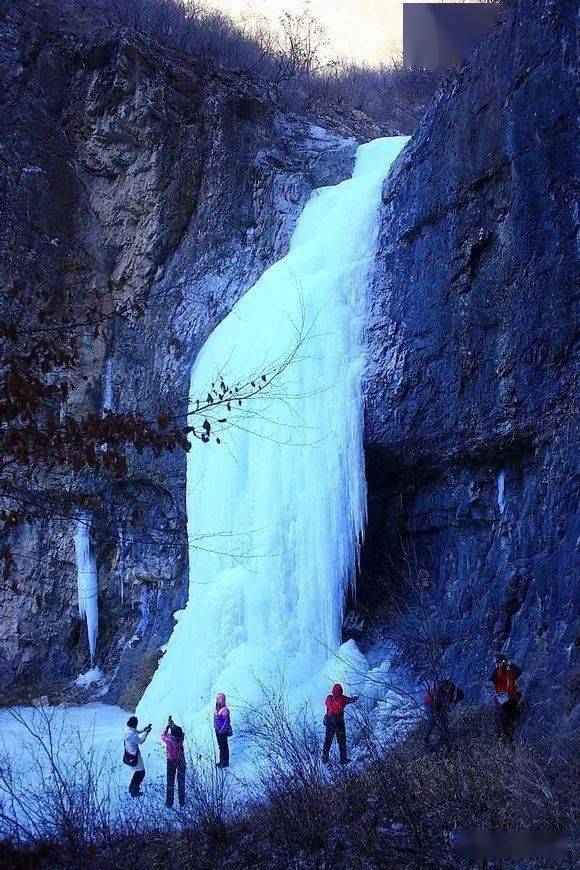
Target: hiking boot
column 136, row 793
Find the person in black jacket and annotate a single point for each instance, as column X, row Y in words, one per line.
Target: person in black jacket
column 439, row 699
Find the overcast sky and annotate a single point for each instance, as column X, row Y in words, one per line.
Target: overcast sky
column 360, row 30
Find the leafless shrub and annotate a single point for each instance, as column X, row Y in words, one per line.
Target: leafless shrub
column 402, row 808
column 297, row 53
column 187, row 27
column 407, row 90
column 292, row 56
column 475, row 787
column 58, row 789
column 210, row 806
column 291, row 780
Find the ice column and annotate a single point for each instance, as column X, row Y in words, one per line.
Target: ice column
column 501, row 490
column 87, row 583
column 121, row 565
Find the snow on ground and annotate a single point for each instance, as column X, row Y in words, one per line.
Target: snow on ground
column 89, row 733
column 40, row 745
column 94, row 675
column 47, row 754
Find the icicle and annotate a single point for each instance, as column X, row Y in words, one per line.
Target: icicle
column 121, row 565
column 284, row 496
column 107, row 403
column 87, row 582
column 501, row 490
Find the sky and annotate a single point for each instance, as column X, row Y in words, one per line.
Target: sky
column 364, row 31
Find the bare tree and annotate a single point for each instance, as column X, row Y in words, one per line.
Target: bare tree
column 299, row 50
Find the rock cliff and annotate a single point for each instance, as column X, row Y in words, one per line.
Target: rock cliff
column 470, row 400
column 141, row 172
column 149, row 175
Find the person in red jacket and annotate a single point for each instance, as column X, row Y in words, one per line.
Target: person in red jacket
column 334, row 722
column 506, row 696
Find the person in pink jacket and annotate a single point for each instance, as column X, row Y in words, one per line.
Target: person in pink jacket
column 223, row 729
column 173, row 738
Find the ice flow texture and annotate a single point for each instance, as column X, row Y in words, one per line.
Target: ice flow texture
column 87, row 583
column 276, row 512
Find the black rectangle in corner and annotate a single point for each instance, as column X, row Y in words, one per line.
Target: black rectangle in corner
column 438, row 36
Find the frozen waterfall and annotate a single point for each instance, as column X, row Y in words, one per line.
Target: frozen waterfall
column 277, row 510
column 87, row 583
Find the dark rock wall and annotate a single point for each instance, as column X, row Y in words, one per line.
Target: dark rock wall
column 471, row 356
column 143, row 173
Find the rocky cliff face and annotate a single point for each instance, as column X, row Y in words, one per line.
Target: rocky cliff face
column 149, row 176
column 470, row 413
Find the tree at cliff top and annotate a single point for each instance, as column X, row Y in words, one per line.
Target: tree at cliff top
column 294, row 55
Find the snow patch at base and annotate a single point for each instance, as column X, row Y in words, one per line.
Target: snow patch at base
column 88, row 678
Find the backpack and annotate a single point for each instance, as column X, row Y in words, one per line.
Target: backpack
column 335, row 705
